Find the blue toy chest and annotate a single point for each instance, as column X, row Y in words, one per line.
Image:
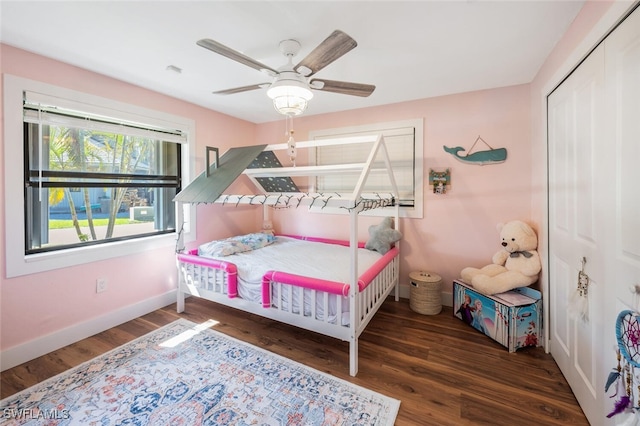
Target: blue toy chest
column 512, row 319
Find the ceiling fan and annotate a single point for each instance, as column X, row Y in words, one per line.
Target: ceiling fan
column 291, row 84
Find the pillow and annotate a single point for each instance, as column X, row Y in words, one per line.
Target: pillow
column 233, row 245
column 382, row 236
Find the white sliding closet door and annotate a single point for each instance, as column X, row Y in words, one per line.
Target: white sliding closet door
column 594, row 210
column 622, row 67
column 577, row 217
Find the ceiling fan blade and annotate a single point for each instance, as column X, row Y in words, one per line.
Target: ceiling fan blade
column 343, row 87
column 333, row 47
column 241, row 89
column 223, row 50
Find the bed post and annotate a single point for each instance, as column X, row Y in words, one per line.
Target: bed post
column 180, row 298
column 179, row 243
column 354, row 320
column 398, row 244
column 396, row 222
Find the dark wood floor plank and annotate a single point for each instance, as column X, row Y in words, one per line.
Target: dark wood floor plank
column 443, row 371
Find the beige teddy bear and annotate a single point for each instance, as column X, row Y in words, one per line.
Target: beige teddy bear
column 516, row 265
column 267, row 227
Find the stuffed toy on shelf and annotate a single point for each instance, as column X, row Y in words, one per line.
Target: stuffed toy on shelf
column 517, row 264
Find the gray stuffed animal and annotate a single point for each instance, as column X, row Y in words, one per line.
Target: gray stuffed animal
column 382, row 236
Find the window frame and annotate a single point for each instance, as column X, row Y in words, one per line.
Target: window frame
column 17, row 262
column 418, row 125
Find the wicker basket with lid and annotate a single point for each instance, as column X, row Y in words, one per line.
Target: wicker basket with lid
column 425, row 293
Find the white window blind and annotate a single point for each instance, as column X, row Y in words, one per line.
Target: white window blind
column 400, row 144
column 50, row 110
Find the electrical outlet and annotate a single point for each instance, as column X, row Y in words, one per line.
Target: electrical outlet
column 101, row 285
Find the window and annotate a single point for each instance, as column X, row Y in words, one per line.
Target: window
column 98, row 177
column 90, row 179
column 404, row 143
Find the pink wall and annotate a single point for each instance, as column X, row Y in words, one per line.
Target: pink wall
column 35, row 305
column 459, row 228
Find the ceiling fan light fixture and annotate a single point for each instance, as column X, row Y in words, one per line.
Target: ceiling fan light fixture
column 290, row 88
column 290, row 97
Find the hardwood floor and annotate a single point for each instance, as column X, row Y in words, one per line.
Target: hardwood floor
column 443, row 371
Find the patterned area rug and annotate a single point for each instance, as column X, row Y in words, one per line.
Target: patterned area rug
column 188, row 374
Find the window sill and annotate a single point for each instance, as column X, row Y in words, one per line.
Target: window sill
column 34, row 263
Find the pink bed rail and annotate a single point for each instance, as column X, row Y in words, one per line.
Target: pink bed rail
column 232, row 271
column 323, row 240
column 332, row 287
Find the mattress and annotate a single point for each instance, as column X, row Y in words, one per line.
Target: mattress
column 325, row 261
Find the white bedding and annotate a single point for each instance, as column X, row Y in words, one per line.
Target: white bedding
column 311, row 259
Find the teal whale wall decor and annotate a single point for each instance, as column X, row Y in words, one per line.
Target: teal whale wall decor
column 490, row 156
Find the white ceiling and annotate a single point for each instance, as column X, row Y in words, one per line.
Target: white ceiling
column 409, row 50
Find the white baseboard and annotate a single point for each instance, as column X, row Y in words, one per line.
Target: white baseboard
column 43, row 345
column 447, row 299
column 17, row 355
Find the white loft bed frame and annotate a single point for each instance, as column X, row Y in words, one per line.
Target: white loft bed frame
column 193, row 273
